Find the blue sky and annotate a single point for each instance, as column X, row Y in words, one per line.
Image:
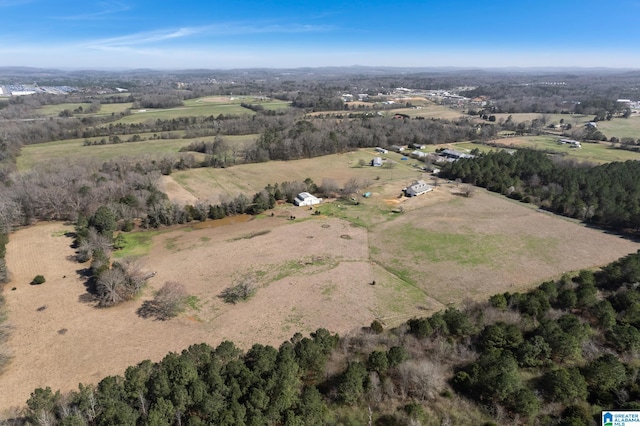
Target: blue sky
column 280, row 34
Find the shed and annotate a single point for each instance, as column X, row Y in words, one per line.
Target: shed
column 376, row 162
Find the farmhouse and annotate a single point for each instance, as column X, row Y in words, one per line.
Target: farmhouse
column 306, row 199
column 376, row 162
column 419, row 187
column 381, row 150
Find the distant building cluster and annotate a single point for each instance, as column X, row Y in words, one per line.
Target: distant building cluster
column 23, row 90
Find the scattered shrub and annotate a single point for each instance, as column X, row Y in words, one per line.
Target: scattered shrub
column 38, row 279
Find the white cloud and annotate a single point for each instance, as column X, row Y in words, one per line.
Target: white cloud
column 106, row 10
column 227, row 29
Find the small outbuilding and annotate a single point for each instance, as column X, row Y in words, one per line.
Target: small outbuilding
column 376, row 162
column 306, row 199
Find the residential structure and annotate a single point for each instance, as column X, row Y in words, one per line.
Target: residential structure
column 306, row 199
column 419, row 187
column 376, row 162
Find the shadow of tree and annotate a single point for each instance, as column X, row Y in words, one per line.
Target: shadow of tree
column 152, row 309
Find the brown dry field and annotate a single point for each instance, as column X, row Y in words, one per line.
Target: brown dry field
column 313, row 272
column 458, row 247
column 213, row 185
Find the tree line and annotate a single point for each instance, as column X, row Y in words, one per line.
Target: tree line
column 604, row 195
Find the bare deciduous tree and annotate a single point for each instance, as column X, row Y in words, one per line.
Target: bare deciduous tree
column 468, row 190
column 110, row 287
column 329, row 187
column 170, row 300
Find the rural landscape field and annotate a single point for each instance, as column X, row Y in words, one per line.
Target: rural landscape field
column 138, row 222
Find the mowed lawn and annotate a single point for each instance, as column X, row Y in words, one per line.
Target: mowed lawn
column 212, row 184
column 73, row 150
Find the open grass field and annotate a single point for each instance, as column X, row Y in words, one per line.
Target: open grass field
column 315, row 271
column 214, row 184
column 621, row 127
column 429, row 110
column 74, row 151
column 106, row 109
column 601, row 152
column 202, row 107
column 573, row 119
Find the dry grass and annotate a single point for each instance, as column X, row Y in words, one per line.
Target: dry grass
column 476, row 247
column 316, row 271
column 215, row 184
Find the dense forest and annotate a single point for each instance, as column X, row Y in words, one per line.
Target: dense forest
column 554, row 355
column 607, row 195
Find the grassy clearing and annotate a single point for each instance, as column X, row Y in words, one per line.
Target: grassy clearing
column 429, row 110
column 481, row 246
column 135, row 244
column 202, row 107
column 73, row 150
column 213, row 184
column 106, row 109
column 621, row 127
column 527, row 117
column 594, row 152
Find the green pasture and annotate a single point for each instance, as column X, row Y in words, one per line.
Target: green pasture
column 621, row 127
column 74, row 151
column 202, row 108
column 135, row 244
column 595, row 152
column 106, row 109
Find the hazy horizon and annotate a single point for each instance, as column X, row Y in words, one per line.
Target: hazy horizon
column 192, row 34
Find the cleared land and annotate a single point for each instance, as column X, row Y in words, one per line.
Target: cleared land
column 621, row 127
column 106, row 109
column 602, row 152
column 316, row 271
column 201, row 107
column 215, row 184
column 73, row 150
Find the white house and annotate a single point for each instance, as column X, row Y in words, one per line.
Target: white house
column 306, row 199
column 376, row 162
column 381, row 150
column 419, row 187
